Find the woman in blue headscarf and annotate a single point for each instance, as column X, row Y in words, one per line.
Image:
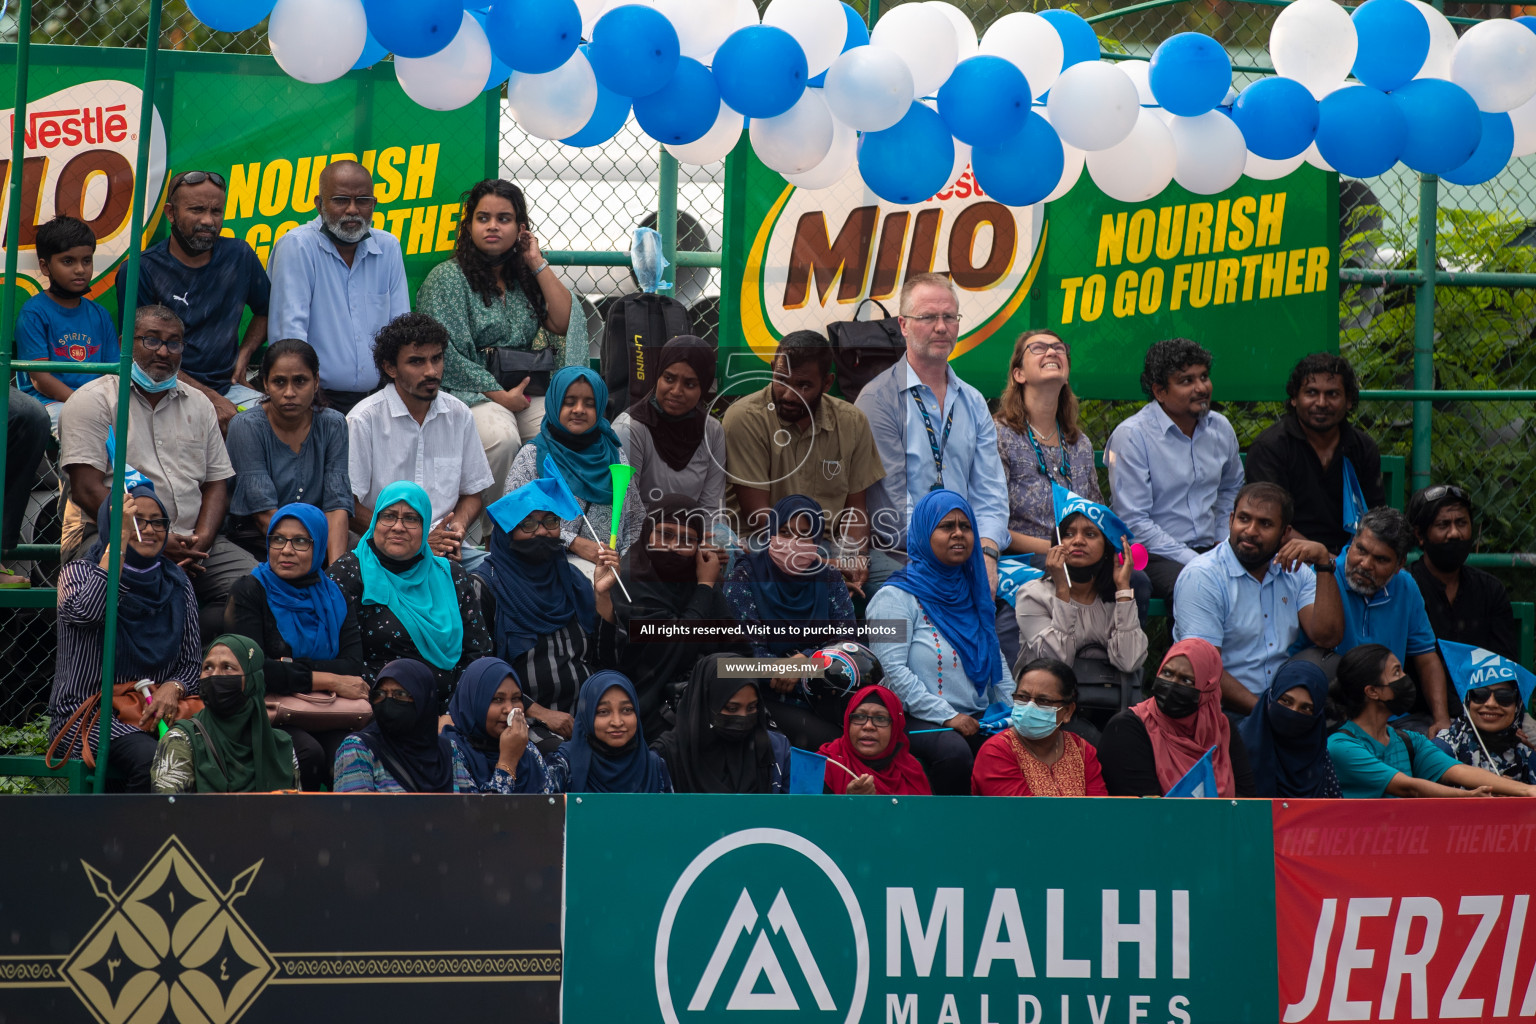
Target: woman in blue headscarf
column 401, row 750
column 582, row 445
column 947, row 668
column 1286, row 735
column 489, row 734
column 298, row 616
column 409, row 602
column 608, row 752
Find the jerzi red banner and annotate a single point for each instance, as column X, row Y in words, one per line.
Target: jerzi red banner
column 1415, row 911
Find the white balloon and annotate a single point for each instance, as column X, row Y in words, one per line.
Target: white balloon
column 965, row 32
column 819, row 26
column 1071, row 166
column 869, row 88
column 1495, row 61
column 1314, row 157
column 716, row 144
column 924, row 38
column 556, row 104
column 1262, row 169
column 1524, row 117
column 1140, row 166
column 702, row 25
column 1031, row 43
column 834, row 167
column 746, row 14
column 1442, row 41
column 1211, row 152
column 1314, row 42
column 1094, row 105
column 591, row 10
column 454, row 75
column 962, row 149
column 798, row 139
column 319, row 40
column 1140, row 72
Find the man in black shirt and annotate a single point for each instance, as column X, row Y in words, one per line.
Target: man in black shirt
column 1304, row 451
column 1465, row 605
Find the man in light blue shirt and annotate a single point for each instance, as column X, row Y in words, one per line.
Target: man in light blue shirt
column 1252, row 598
column 336, row 281
column 932, row 429
column 1174, row 469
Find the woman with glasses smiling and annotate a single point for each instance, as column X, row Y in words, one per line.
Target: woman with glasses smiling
column 1493, row 734
column 1035, row 756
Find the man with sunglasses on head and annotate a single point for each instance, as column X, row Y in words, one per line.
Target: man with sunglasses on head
column 208, row 281
column 1465, row 605
column 336, row 281
column 173, row 440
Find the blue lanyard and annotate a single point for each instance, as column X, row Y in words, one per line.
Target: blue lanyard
column 1066, row 466
column 934, row 442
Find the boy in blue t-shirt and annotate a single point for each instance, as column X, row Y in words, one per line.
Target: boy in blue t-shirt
column 62, row 324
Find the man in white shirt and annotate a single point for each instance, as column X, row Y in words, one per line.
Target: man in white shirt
column 410, row 430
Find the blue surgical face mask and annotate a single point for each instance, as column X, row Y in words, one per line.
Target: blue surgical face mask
column 144, row 381
column 1032, row 721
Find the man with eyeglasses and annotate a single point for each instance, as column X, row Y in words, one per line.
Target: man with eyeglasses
column 173, row 439
column 208, row 281
column 1465, row 605
column 336, row 281
column 932, row 429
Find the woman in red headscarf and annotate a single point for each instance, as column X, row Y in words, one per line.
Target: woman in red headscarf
column 871, row 755
column 1150, row 746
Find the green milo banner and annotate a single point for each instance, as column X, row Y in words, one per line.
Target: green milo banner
column 268, row 135
column 918, row 911
column 1252, row 274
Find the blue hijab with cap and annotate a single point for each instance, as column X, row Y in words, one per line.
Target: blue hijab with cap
column 598, row 768
column 956, row 598
column 583, row 458
column 421, row 595
column 470, row 704
column 782, row 596
column 309, row 611
column 1287, row 749
column 151, row 602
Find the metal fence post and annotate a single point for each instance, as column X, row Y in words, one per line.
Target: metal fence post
column 13, row 214
column 666, row 216
column 1424, row 331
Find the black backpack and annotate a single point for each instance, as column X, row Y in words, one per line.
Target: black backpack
column 864, row 349
column 638, row 326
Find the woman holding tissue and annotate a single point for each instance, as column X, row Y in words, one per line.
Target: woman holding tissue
column 489, row 734
column 872, row 755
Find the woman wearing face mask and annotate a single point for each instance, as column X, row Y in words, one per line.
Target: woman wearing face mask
column 401, row 750
column 1035, row 756
column 1285, row 735
column 608, row 754
column 409, row 602
column 298, row 616
column 948, row 667
column 1372, row 759
column 1494, row 734
column 498, row 292
column 1150, row 746
column 788, row 581
column 872, row 756
column 582, row 445
column 669, row 437
column 489, row 734
column 722, row 742
column 229, row 746
column 157, row 639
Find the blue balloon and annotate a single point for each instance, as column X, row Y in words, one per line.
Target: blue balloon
column 985, row 101
column 858, row 35
column 760, row 71
column 415, row 28
column 1444, row 125
column 1278, row 117
column 1492, row 154
column 1393, row 42
column 1079, row 42
column 634, row 50
column 372, row 54
column 1021, row 170
column 230, row 15
column 683, row 110
column 1360, row 132
column 533, row 36
column 1190, row 74
column 607, row 118
column 909, row 161
column 1528, row 20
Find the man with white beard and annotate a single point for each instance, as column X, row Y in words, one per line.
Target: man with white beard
column 335, row 281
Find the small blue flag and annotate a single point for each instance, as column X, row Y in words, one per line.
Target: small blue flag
column 1066, row 503
column 548, row 493
column 132, row 478
column 1198, row 781
column 807, row 771
column 1354, row 498
column 1473, row 667
column 1013, row 571
column 996, row 718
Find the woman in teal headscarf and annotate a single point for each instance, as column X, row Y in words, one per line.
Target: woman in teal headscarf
column 580, row 445
column 410, row 603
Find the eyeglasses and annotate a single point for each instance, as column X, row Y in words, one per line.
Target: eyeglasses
column 1044, row 702
column 1506, row 697
column 398, row 696
column 409, row 520
column 362, row 202
column 949, row 318
column 196, row 178
column 155, row 525
column 1041, row 348
column 1439, row 491
column 153, row 343
column 549, row 521
column 876, row 720
column 299, row 544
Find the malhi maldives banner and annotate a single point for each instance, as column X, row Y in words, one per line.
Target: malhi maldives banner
column 1252, row 274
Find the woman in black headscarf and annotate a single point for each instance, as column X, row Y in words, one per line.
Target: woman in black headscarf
column 669, row 437
column 722, row 743
column 401, row 750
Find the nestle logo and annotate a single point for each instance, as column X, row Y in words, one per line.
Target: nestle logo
column 49, row 129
